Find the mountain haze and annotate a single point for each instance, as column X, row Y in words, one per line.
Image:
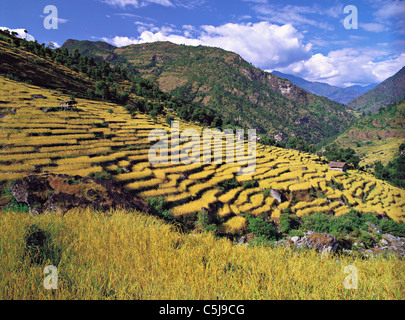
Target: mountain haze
column 342, row 95
column 225, row 82
column 392, row 90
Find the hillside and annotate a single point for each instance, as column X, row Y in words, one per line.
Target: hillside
column 104, row 140
column 392, row 90
column 19, row 63
column 342, row 95
column 377, row 137
column 226, row 83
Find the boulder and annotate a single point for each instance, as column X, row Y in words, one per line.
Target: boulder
column 276, row 195
column 322, row 242
column 295, row 239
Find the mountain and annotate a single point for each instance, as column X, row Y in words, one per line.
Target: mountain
column 364, row 89
column 342, row 95
column 376, row 137
column 391, row 90
column 223, row 81
column 18, row 62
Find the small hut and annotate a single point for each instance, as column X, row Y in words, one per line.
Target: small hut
column 68, row 105
column 338, row 166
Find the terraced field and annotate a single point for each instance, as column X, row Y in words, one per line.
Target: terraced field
column 102, row 137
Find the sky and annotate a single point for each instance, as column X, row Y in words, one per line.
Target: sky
column 339, row 42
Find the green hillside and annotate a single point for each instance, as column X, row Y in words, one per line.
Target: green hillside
column 391, row 90
column 376, row 137
column 223, row 81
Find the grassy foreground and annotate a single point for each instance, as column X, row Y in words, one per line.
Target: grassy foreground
column 123, row 255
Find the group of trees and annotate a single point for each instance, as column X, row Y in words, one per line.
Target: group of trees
column 348, row 155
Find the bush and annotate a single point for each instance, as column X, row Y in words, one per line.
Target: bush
column 251, row 184
column 367, row 239
column 288, row 222
column 261, row 228
column 346, row 223
column 227, row 185
column 158, row 206
column 205, row 222
column 101, row 175
column 390, row 226
column 294, row 233
column 317, row 222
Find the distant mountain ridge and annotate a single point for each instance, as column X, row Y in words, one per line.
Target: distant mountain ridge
column 392, row 90
column 342, row 95
column 225, row 82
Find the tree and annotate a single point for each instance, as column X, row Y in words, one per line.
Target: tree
column 348, row 155
column 102, row 90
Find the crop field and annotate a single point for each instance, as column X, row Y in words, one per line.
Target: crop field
column 103, row 137
column 148, row 259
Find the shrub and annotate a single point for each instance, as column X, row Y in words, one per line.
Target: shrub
column 294, row 232
column 261, row 228
column 205, row 222
column 158, row 206
column 367, row 239
column 101, row 175
column 317, row 222
column 288, row 222
column 390, row 226
column 346, row 223
column 251, row 184
column 227, row 185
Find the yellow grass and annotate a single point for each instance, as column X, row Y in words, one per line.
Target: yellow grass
column 195, row 206
column 235, row 224
column 230, row 195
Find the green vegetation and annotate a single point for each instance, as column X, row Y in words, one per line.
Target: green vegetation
column 348, row 223
column 218, row 88
column 394, row 171
column 348, row 155
column 387, row 92
column 264, row 230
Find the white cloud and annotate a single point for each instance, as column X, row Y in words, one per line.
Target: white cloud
column 391, row 13
column 21, row 33
column 348, row 66
column 138, row 3
column 391, row 9
column 298, row 15
column 263, row 44
column 373, row 27
column 189, row 4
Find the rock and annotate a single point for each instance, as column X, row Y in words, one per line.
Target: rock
column 384, row 242
column 276, row 195
column 322, row 242
column 359, row 246
column 295, row 239
column 31, row 191
column 61, row 193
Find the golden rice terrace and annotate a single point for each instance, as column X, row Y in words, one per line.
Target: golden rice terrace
column 36, row 138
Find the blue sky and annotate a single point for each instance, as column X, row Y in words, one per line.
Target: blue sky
column 304, row 38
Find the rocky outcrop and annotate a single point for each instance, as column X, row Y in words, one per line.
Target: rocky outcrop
column 61, row 193
column 276, row 195
column 322, row 242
